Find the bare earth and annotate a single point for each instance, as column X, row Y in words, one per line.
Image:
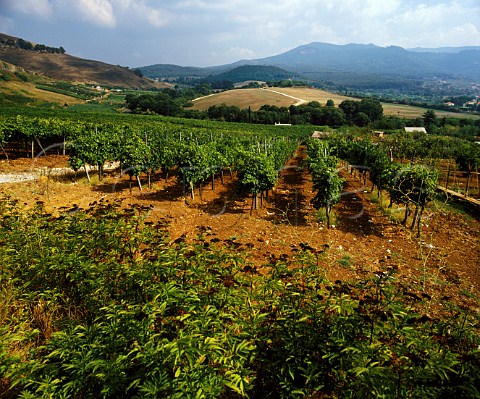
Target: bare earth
column 444, row 264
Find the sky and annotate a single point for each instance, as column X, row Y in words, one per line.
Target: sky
column 137, row 33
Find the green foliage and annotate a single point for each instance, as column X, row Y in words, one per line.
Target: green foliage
column 362, row 113
column 100, row 304
column 326, row 180
column 430, row 147
column 251, row 72
column 95, row 146
column 77, row 91
column 20, row 75
column 467, row 155
column 6, row 76
column 414, row 183
column 159, row 103
column 406, row 184
column 257, row 173
column 26, row 45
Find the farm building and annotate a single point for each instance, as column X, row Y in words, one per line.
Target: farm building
column 415, row 129
column 320, row 135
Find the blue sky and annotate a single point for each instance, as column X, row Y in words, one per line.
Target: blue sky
column 213, row 32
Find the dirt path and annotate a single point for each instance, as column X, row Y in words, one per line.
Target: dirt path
column 300, row 101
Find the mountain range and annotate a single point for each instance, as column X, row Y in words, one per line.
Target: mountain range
column 323, row 61
column 352, row 66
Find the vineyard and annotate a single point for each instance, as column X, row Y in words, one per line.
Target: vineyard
column 224, row 260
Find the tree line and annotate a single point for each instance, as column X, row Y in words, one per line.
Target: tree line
column 170, row 102
column 366, row 112
column 26, row 45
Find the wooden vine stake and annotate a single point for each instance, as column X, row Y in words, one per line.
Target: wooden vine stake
column 86, row 172
column 448, row 176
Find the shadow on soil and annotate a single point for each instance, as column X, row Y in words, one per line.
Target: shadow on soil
column 228, row 199
column 351, row 214
column 164, row 190
column 289, row 203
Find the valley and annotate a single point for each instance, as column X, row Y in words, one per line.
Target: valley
column 153, row 244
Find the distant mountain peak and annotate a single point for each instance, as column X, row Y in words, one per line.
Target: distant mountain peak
column 353, row 62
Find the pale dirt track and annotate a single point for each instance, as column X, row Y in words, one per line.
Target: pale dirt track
column 299, row 101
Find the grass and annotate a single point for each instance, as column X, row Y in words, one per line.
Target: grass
column 451, row 205
column 29, row 90
column 345, row 261
column 244, row 98
column 322, row 217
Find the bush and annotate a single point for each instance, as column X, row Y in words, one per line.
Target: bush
column 103, row 305
column 23, row 77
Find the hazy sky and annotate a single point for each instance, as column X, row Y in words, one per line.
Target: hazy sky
column 213, row 32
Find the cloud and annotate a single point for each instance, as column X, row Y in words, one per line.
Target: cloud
column 213, row 32
column 41, row 8
column 445, row 23
column 98, row 12
column 241, row 53
column 322, row 32
column 137, row 11
column 6, row 24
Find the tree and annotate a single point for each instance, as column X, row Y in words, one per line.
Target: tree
column 372, row 108
column 332, row 116
column 326, row 180
column 24, row 45
column 349, row 107
column 467, row 156
column 429, row 120
column 361, row 119
column 257, row 174
column 138, row 72
column 160, row 104
column 415, row 184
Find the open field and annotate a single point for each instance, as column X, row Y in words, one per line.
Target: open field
column 243, row 98
column 16, row 88
column 255, row 98
column 408, row 111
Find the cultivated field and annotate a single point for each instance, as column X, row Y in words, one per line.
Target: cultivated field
column 284, row 97
column 107, row 287
column 366, row 232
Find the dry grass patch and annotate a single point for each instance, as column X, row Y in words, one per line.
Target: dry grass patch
column 29, row 90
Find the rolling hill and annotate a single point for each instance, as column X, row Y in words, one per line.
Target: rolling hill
column 354, row 66
column 18, row 86
column 62, row 66
column 287, row 96
column 253, row 72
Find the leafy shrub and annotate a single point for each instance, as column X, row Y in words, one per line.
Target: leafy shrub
column 6, row 77
column 20, row 75
column 134, row 315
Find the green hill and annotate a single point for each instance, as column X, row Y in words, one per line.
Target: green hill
column 253, row 72
column 57, row 64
